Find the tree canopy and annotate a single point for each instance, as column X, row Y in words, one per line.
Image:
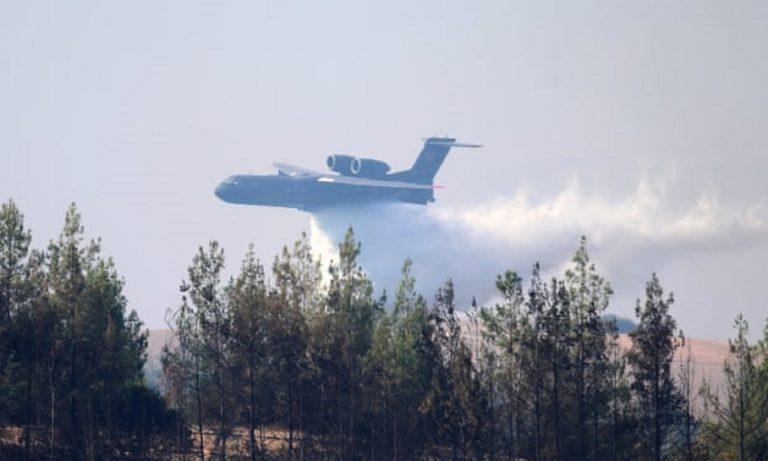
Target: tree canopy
column 305, row 361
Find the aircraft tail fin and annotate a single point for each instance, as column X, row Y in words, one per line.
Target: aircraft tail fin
column 430, row 160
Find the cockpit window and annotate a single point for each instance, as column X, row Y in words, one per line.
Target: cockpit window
column 232, row 180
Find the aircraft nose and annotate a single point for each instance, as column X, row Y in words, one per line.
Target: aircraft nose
column 221, row 191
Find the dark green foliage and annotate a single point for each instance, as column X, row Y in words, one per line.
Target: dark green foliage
column 322, row 369
column 738, row 424
column 398, row 371
column 552, row 369
column 654, row 343
column 16, row 297
column 589, row 296
column 504, row 329
column 247, row 296
column 455, row 397
column 199, row 370
column 72, row 354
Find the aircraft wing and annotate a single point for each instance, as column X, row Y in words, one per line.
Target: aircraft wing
column 290, row 170
column 353, row 181
column 295, row 171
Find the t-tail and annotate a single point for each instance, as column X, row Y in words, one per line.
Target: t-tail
column 430, row 160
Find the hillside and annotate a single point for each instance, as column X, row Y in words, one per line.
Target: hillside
column 708, row 356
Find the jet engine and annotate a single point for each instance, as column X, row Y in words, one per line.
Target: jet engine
column 368, row 168
column 340, row 163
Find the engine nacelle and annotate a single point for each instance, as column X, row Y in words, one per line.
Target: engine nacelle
column 340, row 163
column 368, row 168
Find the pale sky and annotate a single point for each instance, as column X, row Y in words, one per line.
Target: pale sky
column 639, row 124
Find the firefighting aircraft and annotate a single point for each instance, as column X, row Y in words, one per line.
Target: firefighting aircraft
column 353, row 181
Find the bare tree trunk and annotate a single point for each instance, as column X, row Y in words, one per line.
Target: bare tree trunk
column 556, row 405
column 75, row 430
column 596, row 426
column 657, row 414
column 394, row 439
column 222, row 412
column 742, row 410
column 252, row 411
column 30, row 413
column 52, row 391
column 537, row 403
column 290, row 419
column 582, row 420
column 199, row 407
column 301, row 423
column 492, row 413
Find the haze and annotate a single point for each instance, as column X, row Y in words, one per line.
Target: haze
column 640, row 125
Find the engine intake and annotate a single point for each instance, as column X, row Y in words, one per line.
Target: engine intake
column 368, row 168
column 340, row 163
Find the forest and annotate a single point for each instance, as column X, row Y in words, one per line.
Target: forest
column 295, row 359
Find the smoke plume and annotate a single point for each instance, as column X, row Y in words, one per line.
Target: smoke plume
column 628, row 237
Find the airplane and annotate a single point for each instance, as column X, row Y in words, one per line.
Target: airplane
column 353, row 181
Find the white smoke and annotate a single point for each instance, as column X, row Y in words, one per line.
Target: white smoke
column 628, row 237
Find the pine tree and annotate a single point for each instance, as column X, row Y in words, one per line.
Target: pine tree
column 200, row 363
column 214, row 323
column 33, row 335
column 505, row 327
column 247, row 297
column 589, row 297
column 379, row 392
column 688, row 425
column 455, row 388
column 554, row 348
column 622, row 424
column 181, row 371
column 650, row 358
column 114, row 348
column 397, row 375
column 287, row 345
column 14, row 249
column 297, row 304
column 15, row 304
column 535, row 363
column 411, row 366
column 342, row 337
column 69, row 260
column 75, row 352
column 740, row 426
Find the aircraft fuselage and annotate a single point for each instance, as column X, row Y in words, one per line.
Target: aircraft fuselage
column 353, row 181
column 306, row 193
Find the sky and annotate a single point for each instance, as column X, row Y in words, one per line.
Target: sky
column 641, row 125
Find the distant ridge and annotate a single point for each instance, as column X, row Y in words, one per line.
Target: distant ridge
column 623, row 324
column 155, row 342
column 708, row 355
